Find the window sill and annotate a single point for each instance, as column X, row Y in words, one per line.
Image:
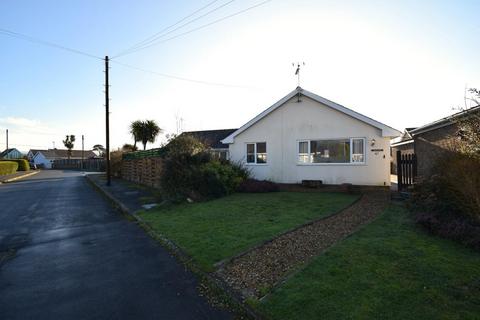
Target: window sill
column 256, row 164
column 332, row 164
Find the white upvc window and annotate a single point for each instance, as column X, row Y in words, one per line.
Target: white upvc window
column 304, row 151
column 358, row 150
column 332, row 151
column 256, row 153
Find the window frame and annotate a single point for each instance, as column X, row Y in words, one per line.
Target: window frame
column 255, row 163
column 351, row 163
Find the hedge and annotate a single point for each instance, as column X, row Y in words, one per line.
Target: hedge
column 8, row 167
column 23, row 164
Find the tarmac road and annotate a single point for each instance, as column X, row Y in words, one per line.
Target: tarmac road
column 66, row 254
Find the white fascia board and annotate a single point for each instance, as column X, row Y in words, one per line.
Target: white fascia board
column 401, row 143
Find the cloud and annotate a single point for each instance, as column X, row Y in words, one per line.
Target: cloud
column 19, row 122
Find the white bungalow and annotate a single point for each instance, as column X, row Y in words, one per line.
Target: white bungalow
column 306, row 137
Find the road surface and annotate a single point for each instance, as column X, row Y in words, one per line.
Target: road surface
column 71, row 256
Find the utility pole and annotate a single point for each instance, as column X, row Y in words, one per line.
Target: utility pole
column 107, row 123
column 7, row 139
column 83, row 153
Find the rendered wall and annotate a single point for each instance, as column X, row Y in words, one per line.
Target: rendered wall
column 311, row 120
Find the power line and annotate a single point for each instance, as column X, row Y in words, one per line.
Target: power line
column 46, row 43
column 180, row 78
column 166, row 28
column 198, row 28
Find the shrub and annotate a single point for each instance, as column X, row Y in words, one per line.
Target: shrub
column 217, row 179
column 453, row 189
column 447, row 203
column 23, row 164
column 453, row 227
column 190, row 172
column 116, row 163
column 257, row 186
column 8, row 167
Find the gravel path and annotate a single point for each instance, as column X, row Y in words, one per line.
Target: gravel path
column 263, row 267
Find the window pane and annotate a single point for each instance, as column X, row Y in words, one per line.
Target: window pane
column 250, row 148
column 261, row 158
column 358, row 150
column 303, row 147
column 330, row 151
column 250, row 158
column 303, row 152
column 357, row 146
column 262, row 147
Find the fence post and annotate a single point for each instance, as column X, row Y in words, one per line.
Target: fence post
column 399, row 170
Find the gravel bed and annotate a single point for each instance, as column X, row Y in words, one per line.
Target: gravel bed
column 261, row 268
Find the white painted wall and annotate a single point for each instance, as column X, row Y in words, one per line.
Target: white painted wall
column 41, row 160
column 310, row 120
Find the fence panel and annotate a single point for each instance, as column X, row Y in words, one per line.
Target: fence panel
column 79, row 164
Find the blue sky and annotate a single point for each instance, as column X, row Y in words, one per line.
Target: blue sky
column 404, row 63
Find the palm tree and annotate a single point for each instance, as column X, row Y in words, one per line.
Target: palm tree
column 136, row 130
column 150, row 132
column 68, row 143
column 144, row 131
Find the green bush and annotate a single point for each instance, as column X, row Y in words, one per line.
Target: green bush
column 453, row 189
column 190, row 172
column 23, row 164
column 216, row 179
column 8, row 167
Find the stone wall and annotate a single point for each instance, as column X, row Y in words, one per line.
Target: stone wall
column 144, row 171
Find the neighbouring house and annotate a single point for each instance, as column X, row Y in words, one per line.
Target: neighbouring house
column 212, row 139
column 306, row 137
column 45, row 158
column 11, row 153
column 429, row 141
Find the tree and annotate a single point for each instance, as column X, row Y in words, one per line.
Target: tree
column 150, row 132
column 129, row 147
column 100, row 149
column 68, row 143
column 136, row 129
column 468, row 130
column 144, row 131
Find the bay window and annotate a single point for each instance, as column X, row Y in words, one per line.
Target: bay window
column 350, row 150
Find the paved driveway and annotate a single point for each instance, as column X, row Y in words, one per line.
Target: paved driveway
column 74, row 257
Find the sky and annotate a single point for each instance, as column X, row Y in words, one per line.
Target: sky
column 403, row 63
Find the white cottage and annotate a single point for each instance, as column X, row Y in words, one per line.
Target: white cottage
column 306, row 137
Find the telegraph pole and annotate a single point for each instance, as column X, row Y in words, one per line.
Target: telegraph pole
column 7, row 139
column 83, row 153
column 107, row 122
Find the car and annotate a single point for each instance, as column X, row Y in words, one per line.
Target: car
column 33, row 166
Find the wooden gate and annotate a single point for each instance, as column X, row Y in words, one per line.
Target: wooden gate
column 406, row 170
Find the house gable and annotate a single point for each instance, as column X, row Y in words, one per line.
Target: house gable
column 298, row 93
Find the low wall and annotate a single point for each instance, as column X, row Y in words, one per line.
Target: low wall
column 144, row 171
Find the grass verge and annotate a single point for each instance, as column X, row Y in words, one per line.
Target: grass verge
column 215, row 230
column 389, row 270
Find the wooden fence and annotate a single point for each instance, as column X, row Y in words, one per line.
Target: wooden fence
column 406, row 170
column 79, row 164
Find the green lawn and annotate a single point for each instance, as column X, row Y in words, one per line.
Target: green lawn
column 389, row 270
column 214, row 230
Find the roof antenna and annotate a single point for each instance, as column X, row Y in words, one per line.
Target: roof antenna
column 297, row 73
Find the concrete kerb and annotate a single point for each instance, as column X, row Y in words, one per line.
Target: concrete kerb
column 20, row 177
column 177, row 252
